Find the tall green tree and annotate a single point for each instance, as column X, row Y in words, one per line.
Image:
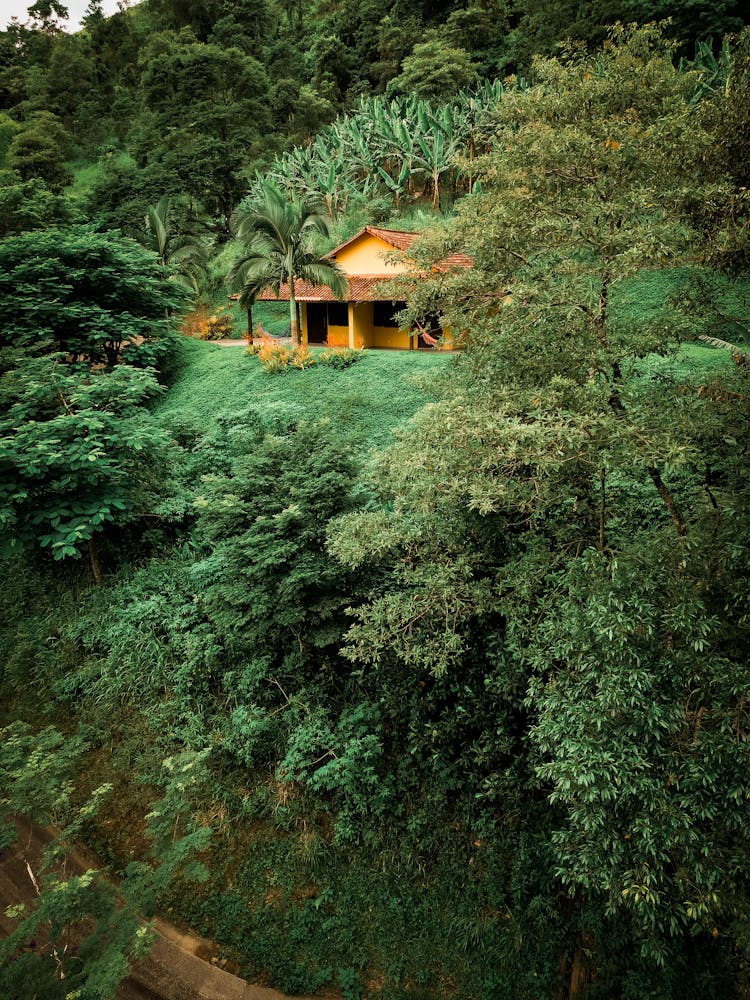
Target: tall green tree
column 208, row 107
column 30, row 204
column 435, row 70
column 39, row 150
column 270, row 586
column 577, row 508
column 97, row 297
column 279, row 235
column 79, row 453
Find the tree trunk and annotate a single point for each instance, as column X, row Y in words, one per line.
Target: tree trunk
column 94, row 559
column 294, row 321
column 249, row 335
column 582, row 973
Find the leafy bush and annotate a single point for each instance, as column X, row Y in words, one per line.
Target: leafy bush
column 95, row 297
column 349, row 982
column 340, row 357
column 78, row 452
column 274, row 357
column 302, row 358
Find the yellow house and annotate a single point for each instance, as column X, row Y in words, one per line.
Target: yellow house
column 366, row 318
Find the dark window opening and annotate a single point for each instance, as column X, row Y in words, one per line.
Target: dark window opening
column 338, row 314
column 317, row 327
column 384, row 313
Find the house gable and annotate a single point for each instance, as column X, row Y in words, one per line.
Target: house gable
column 368, row 253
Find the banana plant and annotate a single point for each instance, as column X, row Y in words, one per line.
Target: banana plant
column 397, row 187
column 329, row 175
column 439, row 145
column 713, row 71
column 387, row 143
column 397, row 144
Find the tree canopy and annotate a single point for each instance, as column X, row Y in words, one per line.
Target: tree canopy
column 280, row 251
column 450, row 649
column 97, row 297
column 566, row 499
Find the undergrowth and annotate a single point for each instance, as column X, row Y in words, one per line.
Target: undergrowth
column 419, row 905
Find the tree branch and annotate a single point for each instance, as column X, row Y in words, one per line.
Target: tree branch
column 668, row 499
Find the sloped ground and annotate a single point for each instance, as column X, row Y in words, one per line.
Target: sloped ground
column 178, row 966
column 366, row 401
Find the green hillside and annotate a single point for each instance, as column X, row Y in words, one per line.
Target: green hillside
column 367, row 401
column 398, row 674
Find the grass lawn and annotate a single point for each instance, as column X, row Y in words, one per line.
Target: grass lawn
column 370, row 398
column 693, row 363
column 272, row 316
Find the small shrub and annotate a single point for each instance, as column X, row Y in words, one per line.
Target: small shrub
column 193, row 321
column 379, row 211
column 274, row 357
column 302, row 358
column 350, row 986
column 218, row 326
column 340, row 357
column 207, row 325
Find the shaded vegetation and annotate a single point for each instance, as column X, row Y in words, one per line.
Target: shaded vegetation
column 439, row 664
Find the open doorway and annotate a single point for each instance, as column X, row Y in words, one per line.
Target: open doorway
column 317, row 323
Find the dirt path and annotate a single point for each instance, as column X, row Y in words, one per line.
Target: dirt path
column 178, row 966
column 281, row 341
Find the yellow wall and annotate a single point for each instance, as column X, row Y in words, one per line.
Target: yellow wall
column 388, row 336
column 364, row 334
column 338, row 336
column 367, row 335
column 368, row 256
column 360, row 322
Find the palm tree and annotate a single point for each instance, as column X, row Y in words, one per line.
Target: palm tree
column 279, row 237
column 178, row 252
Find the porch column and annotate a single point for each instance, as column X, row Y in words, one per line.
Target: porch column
column 303, row 324
column 351, row 324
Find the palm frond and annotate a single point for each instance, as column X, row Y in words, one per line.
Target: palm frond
column 279, row 235
column 257, row 271
column 157, row 227
column 740, row 356
column 271, row 215
column 324, row 273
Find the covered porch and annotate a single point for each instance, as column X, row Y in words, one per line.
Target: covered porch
column 355, row 324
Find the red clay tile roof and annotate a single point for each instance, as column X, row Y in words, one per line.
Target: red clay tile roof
column 462, row 260
column 362, row 288
column 398, row 240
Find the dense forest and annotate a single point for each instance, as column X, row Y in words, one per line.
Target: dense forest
column 398, row 674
